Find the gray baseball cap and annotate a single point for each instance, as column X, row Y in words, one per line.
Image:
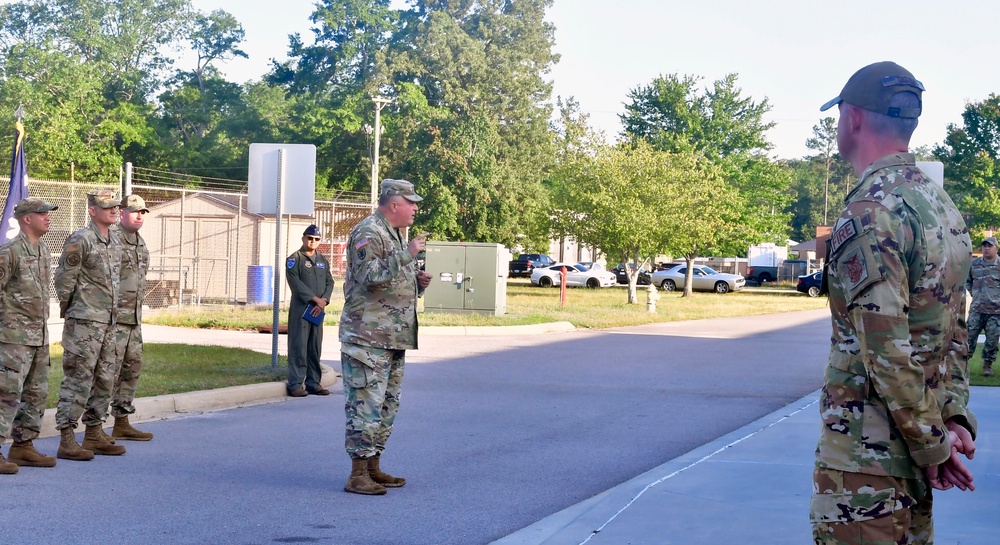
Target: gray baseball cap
column 872, row 88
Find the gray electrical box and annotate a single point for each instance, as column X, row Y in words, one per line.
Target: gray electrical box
column 469, row 277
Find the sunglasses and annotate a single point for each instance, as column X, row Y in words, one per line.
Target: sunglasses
column 314, row 239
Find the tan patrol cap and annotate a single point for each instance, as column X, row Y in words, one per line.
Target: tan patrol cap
column 402, row 188
column 134, row 203
column 32, row 204
column 103, row 198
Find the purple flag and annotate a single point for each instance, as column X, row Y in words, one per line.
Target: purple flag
column 18, row 186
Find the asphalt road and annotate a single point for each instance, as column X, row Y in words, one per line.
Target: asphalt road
column 494, row 434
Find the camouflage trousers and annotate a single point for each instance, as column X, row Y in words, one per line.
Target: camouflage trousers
column 988, row 324
column 24, row 390
column 371, row 394
column 128, row 341
column 90, row 357
column 858, row 509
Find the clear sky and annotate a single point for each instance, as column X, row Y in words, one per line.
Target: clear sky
column 796, row 53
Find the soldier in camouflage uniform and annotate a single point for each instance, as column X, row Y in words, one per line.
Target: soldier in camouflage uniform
column 87, row 283
column 984, row 313
column 894, row 404
column 128, row 319
column 378, row 325
column 24, row 335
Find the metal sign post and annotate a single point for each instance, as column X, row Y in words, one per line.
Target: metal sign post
column 276, row 299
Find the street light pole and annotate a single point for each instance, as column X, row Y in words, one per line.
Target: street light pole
column 377, row 133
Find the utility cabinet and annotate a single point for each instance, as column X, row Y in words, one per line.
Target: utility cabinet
column 468, row 277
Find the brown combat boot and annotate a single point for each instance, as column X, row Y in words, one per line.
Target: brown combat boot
column 988, row 369
column 360, row 482
column 10, row 468
column 23, row 453
column 382, row 478
column 94, row 440
column 124, row 430
column 69, row 449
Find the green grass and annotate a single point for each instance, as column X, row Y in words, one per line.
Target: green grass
column 976, row 377
column 179, row 368
column 527, row 304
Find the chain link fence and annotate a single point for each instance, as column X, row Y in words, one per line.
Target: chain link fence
column 205, row 247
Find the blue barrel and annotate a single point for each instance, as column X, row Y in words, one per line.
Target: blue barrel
column 260, row 285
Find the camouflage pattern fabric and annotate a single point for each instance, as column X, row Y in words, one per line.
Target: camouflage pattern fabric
column 88, row 276
column 307, row 277
column 990, row 325
column 24, row 292
column 34, row 362
column 859, row 509
column 24, row 336
column 984, row 285
column 89, row 361
column 128, row 347
column 134, row 264
column 24, row 390
column 372, row 386
column 900, row 255
column 380, row 292
column 128, row 322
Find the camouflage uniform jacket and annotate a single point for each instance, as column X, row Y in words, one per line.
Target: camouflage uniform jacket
column 984, row 285
column 87, row 278
column 899, row 257
column 380, row 292
column 24, row 292
column 135, row 263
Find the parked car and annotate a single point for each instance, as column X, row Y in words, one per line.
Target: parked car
column 591, row 265
column 762, row 274
column 526, row 263
column 575, row 276
column 809, row 284
column 622, row 277
column 702, row 279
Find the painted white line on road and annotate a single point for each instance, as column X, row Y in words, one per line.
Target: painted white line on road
column 683, row 469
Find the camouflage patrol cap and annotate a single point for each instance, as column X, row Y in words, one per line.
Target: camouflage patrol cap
column 400, row 187
column 32, row 204
column 991, row 241
column 873, row 87
column 134, row 203
column 103, row 198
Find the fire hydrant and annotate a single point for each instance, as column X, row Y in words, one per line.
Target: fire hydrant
column 651, row 297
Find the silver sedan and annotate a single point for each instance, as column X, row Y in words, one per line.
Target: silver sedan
column 702, row 279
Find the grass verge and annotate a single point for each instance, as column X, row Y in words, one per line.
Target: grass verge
column 976, row 377
column 527, row 304
column 179, row 368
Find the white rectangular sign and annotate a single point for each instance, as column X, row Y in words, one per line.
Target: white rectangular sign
column 299, row 180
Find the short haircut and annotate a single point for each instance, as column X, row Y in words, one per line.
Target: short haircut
column 384, row 199
column 898, row 127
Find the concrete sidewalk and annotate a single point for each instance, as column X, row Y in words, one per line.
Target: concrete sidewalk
column 753, row 486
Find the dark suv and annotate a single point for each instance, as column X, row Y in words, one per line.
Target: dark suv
column 525, row 263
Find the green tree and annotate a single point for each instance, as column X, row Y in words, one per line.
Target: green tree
column 728, row 130
column 971, row 168
column 614, row 200
column 824, row 142
column 84, row 70
column 477, row 135
column 197, row 119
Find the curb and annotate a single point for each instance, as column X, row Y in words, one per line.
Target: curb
column 529, row 329
column 167, row 406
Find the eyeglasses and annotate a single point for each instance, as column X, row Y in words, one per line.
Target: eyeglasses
column 312, row 239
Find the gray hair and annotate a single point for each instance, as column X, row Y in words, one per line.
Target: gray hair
column 897, row 127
